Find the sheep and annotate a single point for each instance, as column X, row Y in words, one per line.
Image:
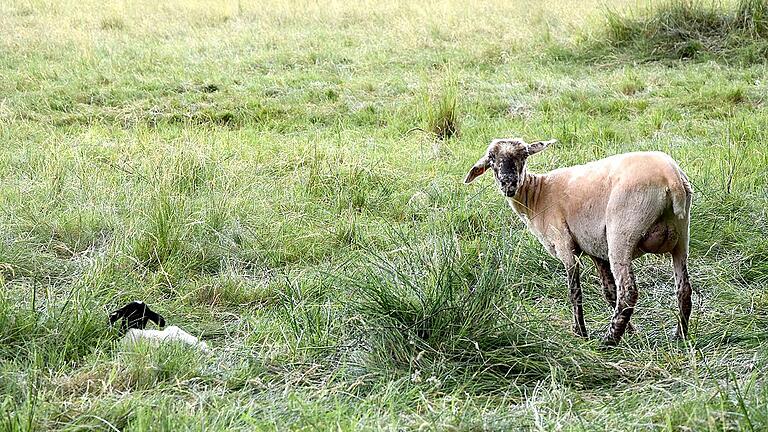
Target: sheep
column 133, row 319
column 613, row 210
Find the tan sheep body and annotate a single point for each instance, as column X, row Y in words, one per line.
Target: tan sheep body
column 613, row 210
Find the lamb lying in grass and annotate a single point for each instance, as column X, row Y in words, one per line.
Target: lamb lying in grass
column 134, row 317
column 613, row 210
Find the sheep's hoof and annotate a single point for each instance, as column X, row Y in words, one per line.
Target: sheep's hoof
column 609, row 340
column 630, row 329
column 580, row 331
column 678, row 336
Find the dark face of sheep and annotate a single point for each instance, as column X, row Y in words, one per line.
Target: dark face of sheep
column 506, row 157
column 507, row 160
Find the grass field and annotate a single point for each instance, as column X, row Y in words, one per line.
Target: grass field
column 283, row 179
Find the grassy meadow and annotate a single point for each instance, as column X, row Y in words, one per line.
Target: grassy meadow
column 284, row 180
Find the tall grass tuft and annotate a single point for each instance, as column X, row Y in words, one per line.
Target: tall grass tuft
column 112, row 23
column 441, row 111
column 163, row 237
column 440, row 314
column 686, row 30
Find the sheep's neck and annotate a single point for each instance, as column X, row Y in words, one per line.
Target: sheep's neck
column 526, row 201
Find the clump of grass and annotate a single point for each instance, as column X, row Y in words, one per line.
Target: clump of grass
column 443, row 316
column 687, row 30
column 176, row 239
column 440, row 111
column 735, row 95
column 631, row 85
column 163, row 237
column 112, row 23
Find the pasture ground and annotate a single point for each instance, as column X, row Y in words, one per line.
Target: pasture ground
column 285, row 181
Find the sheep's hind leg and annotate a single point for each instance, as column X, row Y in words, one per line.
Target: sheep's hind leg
column 626, row 298
column 609, row 285
column 680, row 264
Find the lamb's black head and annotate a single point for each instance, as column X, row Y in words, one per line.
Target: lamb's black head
column 506, row 157
column 135, row 315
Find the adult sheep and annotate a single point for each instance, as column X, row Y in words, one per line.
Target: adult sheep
column 613, row 209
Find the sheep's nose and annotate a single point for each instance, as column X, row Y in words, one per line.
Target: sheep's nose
column 507, row 182
column 508, row 186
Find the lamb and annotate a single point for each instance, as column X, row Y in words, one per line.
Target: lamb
column 613, row 210
column 134, row 317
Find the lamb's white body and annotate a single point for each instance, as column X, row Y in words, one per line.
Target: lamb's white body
column 170, row 334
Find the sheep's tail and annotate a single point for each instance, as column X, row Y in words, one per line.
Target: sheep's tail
column 682, row 197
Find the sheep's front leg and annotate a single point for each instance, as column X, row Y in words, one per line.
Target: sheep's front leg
column 626, row 298
column 574, row 288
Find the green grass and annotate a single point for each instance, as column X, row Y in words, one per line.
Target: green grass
column 441, row 112
column 735, row 31
column 284, row 180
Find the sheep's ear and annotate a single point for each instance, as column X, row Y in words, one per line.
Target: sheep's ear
column 156, row 318
column 477, row 170
column 114, row 316
column 538, row 146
